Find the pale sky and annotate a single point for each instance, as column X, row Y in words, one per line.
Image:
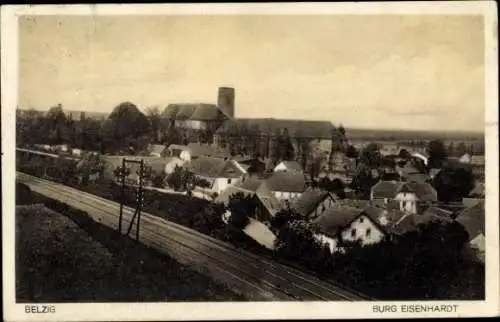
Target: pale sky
column 394, row 72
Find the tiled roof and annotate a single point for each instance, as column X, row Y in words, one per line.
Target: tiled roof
column 469, row 202
column 214, row 168
column 356, row 203
column 286, row 182
column 389, row 189
column 411, row 222
column 386, row 189
column 268, row 126
column 186, row 111
column 424, row 191
column 310, row 199
column 335, row 219
column 433, row 172
column 408, row 169
column 478, row 190
column 418, row 177
column 374, row 212
column 250, row 184
column 207, row 112
column 225, row 195
column 198, row 149
column 269, row 200
column 193, row 111
column 438, row 212
column 171, row 111
column 178, row 147
column 473, row 219
column 156, row 148
column 263, row 194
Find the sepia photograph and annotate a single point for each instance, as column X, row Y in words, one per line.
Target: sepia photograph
column 219, row 155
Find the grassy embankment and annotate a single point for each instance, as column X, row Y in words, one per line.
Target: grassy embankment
column 60, row 260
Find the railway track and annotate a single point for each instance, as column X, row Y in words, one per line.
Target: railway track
column 260, row 277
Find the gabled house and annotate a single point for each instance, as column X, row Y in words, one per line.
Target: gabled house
column 343, row 225
column 286, row 186
column 288, row 166
column 267, row 204
column 411, row 196
column 218, row 172
column 314, row 202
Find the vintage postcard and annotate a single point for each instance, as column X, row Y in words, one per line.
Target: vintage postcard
column 250, row 161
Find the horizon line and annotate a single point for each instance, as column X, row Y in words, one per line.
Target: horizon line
column 378, row 129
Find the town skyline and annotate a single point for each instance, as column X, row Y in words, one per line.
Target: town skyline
column 301, row 63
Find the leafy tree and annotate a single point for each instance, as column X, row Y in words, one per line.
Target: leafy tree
column 276, row 149
column 437, row 154
column 363, row 181
column 241, row 207
column 370, row 155
column 296, row 241
column 158, row 180
column 335, row 186
column 314, row 167
column 181, row 179
column 126, row 123
column 304, row 149
column 173, row 136
column 153, row 115
column 453, row 184
column 283, row 217
column 405, row 154
column 24, row 196
column 288, row 149
column 351, row 152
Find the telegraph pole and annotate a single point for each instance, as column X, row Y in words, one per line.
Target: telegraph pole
column 139, row 197
column 122, row 200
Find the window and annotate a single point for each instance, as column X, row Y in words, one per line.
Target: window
column 353, row 232
column 368, row 232
column 361, row 220
column 228, row 181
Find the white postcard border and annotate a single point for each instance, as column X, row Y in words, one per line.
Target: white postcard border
column 250, row 310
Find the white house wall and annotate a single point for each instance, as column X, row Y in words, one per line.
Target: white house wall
column 280, row 167
column 407, row 202
column 285, row 195
column 328, row 241
column 220, row 184
column 364, row 230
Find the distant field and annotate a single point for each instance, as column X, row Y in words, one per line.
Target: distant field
column 378, row 134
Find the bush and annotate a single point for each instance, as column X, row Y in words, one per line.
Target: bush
column 24, row 195
column 158, row 180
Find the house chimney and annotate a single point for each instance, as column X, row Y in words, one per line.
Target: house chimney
column 225, row 100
